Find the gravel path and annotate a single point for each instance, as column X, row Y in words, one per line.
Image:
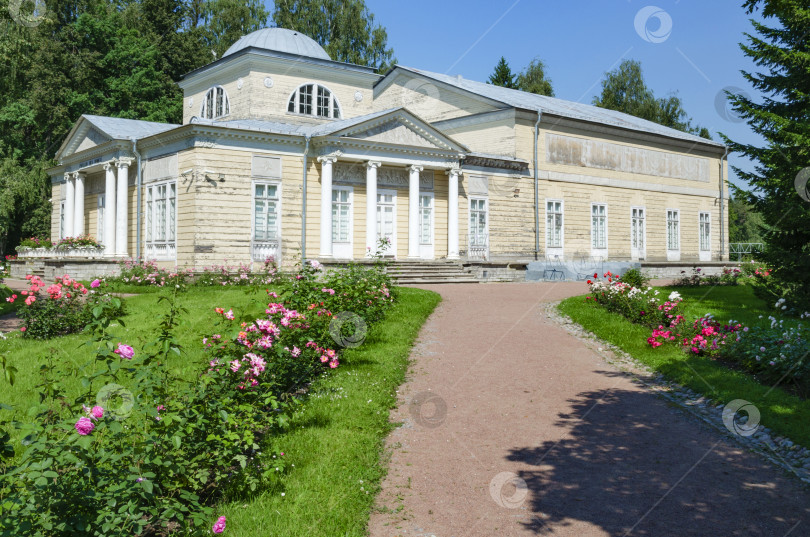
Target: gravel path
column 512, row 425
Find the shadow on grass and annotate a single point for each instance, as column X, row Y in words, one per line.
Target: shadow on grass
column 629, row 465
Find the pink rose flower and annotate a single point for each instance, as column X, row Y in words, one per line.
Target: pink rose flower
column 125, row 351
column 219, row 525
column 95, row 283
column 84, row 426
column 97, row 412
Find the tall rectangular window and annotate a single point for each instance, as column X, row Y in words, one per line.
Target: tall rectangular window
column 705, row 232
column 425, row 219
column 554, row 224
column 599, row 226
column 341, row 215
column 478, row 222
column 62, row 220
column 161, row 215
column 265, row 212
column 673, row 230
column 637, row 228
column 100, row 219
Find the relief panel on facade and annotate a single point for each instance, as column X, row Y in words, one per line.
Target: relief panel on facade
column 160, row 168
column 581, row 152
column 268, row 167
column 347, row 173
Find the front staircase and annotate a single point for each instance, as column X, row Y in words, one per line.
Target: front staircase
column 418, row 272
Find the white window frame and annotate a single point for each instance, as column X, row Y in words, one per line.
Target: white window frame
column 62, row 204
column 555, row 250
column 478, row 251
column 165, row 250
column 638, row 253
column 432, row 218
column 334, row 103
column 393, row 193
column 705, row 254
column 599, row 251
column 261, row 250
column 673, row 254
column 226, row 104
column 344, row 250
column 100, row 208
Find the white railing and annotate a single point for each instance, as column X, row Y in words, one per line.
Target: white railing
column 85, row 252
column 478, row 247
column 161, row 251
column 262, row 251
column 742, row 248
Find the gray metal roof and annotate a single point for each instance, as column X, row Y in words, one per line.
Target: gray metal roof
column 277, row 127
column 282, row 40
column 125, row 129
column 559, row 107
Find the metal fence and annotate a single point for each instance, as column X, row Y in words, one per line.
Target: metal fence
column 744, row 248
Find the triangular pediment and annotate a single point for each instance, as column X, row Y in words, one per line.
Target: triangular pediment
column 82, row 137
column 394, row 132
column 398, row 127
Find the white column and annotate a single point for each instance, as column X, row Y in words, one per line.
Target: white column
column 70, row 199
column 326, row 205
column 452, row 213
column 371, row 207
column 78, row 207
column 121, row 198
column 109, row 209
column 413, row 211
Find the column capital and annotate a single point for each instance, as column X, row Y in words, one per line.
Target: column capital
column 415, row 168
column 123, row 162
column 331, row 159
column 373, row 164
column 455, row 170
column 68, row 176
column 109, row 165
column 79, row 175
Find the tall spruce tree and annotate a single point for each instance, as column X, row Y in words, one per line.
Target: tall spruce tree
column 780, row 47
column 346, row 29
column 503, row 75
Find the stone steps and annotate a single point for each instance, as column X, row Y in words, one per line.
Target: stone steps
column 423, row 272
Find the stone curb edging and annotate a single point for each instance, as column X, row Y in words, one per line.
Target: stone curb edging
column 784, row 453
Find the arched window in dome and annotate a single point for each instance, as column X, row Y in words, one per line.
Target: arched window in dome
column 314, row 100
column 215, row 104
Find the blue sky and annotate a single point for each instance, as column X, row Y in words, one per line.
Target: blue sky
column 579, row 41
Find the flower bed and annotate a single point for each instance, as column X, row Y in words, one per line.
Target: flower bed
column 728, row 276
column 144, row 453
column 64, row 307
column 84, row 246
column 774, row 354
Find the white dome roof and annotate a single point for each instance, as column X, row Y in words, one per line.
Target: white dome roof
column 282, row 40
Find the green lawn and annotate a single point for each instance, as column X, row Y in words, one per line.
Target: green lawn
column 334, row 440
column 782, row 412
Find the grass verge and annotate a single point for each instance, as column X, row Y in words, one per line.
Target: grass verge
column 336, row 439
column 782, row 412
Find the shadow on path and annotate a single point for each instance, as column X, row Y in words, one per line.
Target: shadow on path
column 629, row 469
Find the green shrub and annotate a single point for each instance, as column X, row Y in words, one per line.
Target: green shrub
column 635, row 278
column 145, row 453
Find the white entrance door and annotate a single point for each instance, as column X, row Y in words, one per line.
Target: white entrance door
column 638, row 232
column 100, row 219
column 386, row 221
column 426, row 218
column 479, row 239
column 342, row 222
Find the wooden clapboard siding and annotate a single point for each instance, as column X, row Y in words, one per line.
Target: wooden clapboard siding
column 429, row 101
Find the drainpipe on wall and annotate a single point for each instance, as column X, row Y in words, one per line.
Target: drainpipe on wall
column 304, row 206
column 536, row 189
column 722, row 207
column 138, row 196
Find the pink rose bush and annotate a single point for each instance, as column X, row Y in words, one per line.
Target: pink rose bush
column 642, row 306
column 168, row 448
